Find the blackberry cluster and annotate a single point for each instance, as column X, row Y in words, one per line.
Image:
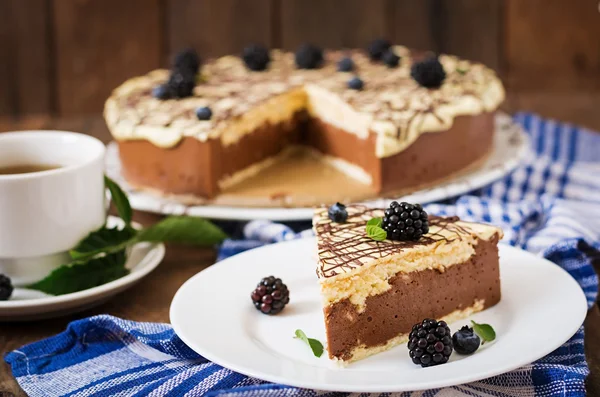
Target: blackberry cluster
column 181, row 84
column 377, row 48
column 430, row 343
column 187, row 61
column 256, row 57
column 405, row 221
column 309, row 56
column 182, row 80
column 6, row 287
column 429, row 73
column 271, row 295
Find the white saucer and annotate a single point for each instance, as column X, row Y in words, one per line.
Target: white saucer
column 27, row 304
column 511, row 145
column 536, row 294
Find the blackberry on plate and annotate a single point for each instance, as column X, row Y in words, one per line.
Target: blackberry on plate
column 391, row 59
column 405, row 222
column 429, row 343
column 270, row 296
column 356, row 83
column 465, row 340
column 345, row 65
column 429, row 73
column 204, row 113
column 377, row 48
column 337, row 213
column 309, row 56
column 187, row 61
column 256, row 57
column 6, row 287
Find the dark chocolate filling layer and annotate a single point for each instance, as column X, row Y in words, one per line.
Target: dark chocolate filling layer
column 195, row 167
column 413, row 297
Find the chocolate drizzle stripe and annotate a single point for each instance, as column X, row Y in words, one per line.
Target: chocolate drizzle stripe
column 344, row 247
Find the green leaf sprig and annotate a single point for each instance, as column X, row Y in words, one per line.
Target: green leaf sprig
column 374, row 229
column 101, row 256
column 485, row 331
column 315, row 345
column 120, row 200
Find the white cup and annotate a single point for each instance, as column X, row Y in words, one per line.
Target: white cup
column 45, row 214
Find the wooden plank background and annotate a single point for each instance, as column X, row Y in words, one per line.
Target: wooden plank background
column 63, row 57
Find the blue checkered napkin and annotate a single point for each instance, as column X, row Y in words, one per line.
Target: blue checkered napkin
column 550, row 206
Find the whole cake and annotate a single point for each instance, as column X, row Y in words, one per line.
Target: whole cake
column 374, row 291
column 389, row 117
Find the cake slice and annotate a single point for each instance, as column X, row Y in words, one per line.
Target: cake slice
column 375, row 291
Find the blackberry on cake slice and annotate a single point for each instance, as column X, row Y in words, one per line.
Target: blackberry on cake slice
column 373, row 292
column 404, row 221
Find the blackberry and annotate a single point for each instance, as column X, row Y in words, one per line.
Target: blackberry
column 345, row 65
column 256, row 57
column 187, row 61
column 356, row 83
column 337, row 213
column 6, row 287
column 429, row 73
column 270, row 296
column 204, row 113
column 377, row 48
column 429, row 343
column 161, row 92
column 465, row 340
column 405, row 221
column 391, row 59
column 181, row 83
column 309, row 56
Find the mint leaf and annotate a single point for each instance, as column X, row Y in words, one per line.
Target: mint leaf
column 461, row 71
column 184, row 230
column 375, row 222
column 81, row 275
column 376, row 233
column 485, row 331
column 315, row 345
column 120, row 200
column 102, row 240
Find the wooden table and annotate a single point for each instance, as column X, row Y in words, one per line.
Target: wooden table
column 149, row 300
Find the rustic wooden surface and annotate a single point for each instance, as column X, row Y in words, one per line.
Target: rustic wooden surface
column 63, row 57
column 149, row 300
column 96, row 43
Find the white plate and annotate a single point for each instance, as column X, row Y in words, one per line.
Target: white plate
column 511, row 145
column 26, row 305
column 213, row 314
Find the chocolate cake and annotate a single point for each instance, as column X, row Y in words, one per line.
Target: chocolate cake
column 375, row 291
column 391, row 122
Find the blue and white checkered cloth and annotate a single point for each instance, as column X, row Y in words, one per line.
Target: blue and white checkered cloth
column 550, row 206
